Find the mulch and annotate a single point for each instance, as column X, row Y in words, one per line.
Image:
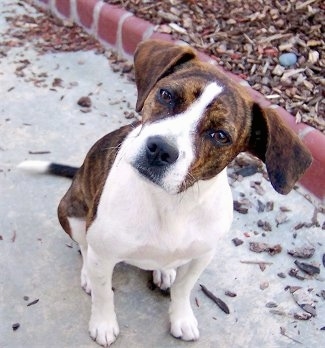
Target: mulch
column 247, row 37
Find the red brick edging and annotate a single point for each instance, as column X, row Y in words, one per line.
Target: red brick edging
column 121, row 30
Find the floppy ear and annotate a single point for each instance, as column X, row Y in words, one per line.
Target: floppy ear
column 285, row 156
column 155, row 59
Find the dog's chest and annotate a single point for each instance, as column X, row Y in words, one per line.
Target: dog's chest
column 141, row 224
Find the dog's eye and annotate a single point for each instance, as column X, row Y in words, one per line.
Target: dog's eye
column 219, row 137
column 165, row 96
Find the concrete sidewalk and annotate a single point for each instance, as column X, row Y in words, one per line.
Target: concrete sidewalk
column 39, row 262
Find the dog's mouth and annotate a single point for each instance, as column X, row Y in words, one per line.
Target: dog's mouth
column 149, row 173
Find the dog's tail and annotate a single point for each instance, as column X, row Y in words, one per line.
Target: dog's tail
column 45, row 167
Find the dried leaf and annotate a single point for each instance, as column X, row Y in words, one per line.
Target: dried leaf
column 261, row 247
column 281, row 218
column 307, row 267
column 304, row 252
column 302, row 316
column 294, row 272
column 304, row 301
column 240, row 208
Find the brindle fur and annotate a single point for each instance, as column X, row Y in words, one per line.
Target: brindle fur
column 81, row 200
column 253, row 128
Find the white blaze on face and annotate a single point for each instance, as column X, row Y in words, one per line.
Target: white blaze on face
column 179, row 130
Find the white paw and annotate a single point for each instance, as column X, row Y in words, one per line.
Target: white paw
column 164, row 278
column 104, row 332
column 85, row 284
column 184, row 327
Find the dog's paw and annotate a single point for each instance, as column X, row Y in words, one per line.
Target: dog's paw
column 184, row 327
column 164, row 278
column 104, row 332
column 85, row 283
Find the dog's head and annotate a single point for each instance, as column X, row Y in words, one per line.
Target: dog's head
column 195, row 121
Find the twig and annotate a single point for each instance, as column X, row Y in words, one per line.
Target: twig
column 38, row 152
column 283, row 332
column 32, row 303
column 256, row 262
column 215, row 299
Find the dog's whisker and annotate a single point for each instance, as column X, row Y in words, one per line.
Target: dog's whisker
column 122, row 152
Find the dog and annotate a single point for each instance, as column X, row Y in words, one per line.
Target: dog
column 155, row 193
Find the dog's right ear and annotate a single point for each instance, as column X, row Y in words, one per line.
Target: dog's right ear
column 155, row 59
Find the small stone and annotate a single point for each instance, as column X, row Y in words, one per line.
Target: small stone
column 287, row 59
column 57, row 82
column 265, row 225
column 292, row 289
column 294, row 272
column 264, row 285
column 239, row 208
column 277, row 312
column 260, row 206
column 15, row 326
column 230, row 293
column 237, row 241
column 271, row 305
column 269, row 206
column 85, row 102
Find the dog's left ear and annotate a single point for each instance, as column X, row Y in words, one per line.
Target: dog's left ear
column 155, row 59
column 285, row 156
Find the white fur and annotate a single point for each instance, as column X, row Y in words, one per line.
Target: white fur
column 78, row 228
column 164, row 278
column 144, row 225
column 160, row 231
column 35, row 166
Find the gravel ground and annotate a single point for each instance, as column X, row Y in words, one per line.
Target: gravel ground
column 247, row 37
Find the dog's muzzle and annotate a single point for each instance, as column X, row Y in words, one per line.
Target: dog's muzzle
column 156, row 158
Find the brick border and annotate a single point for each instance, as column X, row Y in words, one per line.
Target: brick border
column 119, row 29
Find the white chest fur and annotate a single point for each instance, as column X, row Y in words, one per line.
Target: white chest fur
column 145, row 226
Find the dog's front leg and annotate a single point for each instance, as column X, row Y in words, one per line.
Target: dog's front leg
column 183, row 322
column 103, row 326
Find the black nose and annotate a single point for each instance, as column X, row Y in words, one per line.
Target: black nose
column 160, row 152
